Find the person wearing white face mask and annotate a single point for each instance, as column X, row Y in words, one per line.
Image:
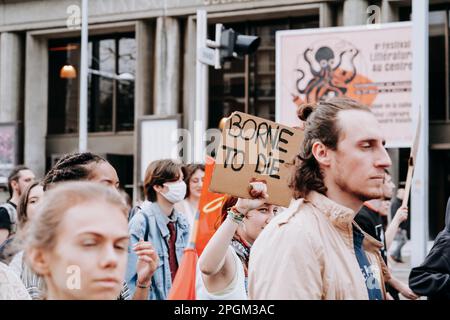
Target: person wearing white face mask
column 159, row 223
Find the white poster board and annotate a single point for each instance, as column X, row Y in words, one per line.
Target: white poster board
column 158, row 139
column 371, row 64
column 9, row 136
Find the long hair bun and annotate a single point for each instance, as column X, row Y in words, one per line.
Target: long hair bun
column 304, row 110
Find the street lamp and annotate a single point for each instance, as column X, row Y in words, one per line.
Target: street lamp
column 68, row 72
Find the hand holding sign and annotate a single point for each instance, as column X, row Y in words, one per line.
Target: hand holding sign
column 401, row 215
column 258, row 192
column 257, row 188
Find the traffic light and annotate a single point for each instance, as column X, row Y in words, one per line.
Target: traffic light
column 246, row 44
column 227, row 41
column 228, row 45
column 236, row 45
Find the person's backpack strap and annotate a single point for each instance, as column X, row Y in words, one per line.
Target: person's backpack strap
column 147, row 223
column 133, row 212
column 147, row 226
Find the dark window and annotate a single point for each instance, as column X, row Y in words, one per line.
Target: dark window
column 125, row 98
column 439, row 190
column 124, row 167
column 63, row 92
column 437, row 66
column 248, row 85
column 101, row 91
column 439, row 75
column 112, row 64
column 404, row 13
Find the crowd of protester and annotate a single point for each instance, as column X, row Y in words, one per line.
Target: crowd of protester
column 74, row 235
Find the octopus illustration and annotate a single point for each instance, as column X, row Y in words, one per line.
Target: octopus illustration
column 329, row 80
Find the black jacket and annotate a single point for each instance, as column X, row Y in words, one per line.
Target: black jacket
column 432, row 278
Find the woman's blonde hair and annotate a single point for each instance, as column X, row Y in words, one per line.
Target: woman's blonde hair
column 57, row 201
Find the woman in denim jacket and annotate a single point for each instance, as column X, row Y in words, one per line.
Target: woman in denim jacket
column 157, row 222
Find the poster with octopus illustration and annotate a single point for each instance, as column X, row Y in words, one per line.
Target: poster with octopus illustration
column 371, row 64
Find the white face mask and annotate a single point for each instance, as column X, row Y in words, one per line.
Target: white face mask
column 176, row 193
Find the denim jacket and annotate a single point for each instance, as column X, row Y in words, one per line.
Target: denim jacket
column 158, row 236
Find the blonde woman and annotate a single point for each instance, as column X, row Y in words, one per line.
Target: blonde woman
column 87, row 166
column 78, row 242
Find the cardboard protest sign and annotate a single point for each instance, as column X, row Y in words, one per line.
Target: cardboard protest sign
column 255, row 148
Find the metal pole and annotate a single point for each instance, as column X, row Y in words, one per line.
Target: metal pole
column 419, row 194
column 201, row 90
column 82, row 125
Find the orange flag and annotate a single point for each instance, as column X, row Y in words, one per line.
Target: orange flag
column 183, row 287
column 209, row 207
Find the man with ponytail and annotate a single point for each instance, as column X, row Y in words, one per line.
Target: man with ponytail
column 314, row 250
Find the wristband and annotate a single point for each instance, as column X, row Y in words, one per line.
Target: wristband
column 235, row 215
column 142, row 286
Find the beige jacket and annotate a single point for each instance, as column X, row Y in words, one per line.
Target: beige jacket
column 307, row 253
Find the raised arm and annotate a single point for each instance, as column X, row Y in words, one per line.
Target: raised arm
column 400, row 216
column 216, row 261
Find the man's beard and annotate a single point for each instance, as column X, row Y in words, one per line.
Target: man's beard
column 359, row 194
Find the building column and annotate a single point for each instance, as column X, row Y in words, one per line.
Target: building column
column 190, row 55
column 325, row 15
column 36, row 97
column 388, row 12
column 355, row 12
column 143, row 90
column 167, row 66
column 189, row 87
column 11, row 77
column 144, row 71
